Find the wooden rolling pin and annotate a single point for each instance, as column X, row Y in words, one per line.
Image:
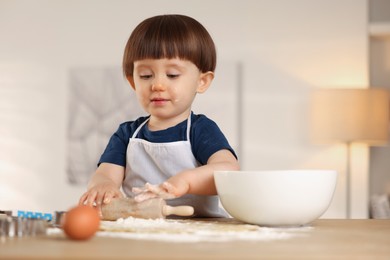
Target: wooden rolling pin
column 148, row 209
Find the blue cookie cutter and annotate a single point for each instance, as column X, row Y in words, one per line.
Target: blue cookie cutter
column 35, row 215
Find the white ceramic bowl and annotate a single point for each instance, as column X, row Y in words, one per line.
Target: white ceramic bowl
column 276, row 198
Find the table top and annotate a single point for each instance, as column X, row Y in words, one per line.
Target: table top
column 325, row 239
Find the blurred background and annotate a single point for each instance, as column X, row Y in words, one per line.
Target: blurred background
column 62, row 94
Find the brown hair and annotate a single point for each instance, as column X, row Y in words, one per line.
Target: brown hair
column 170, row 36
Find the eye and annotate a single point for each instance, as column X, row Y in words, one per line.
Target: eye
column 173, row 76
column 145, row 76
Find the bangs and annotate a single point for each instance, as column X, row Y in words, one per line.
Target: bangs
column 170, row 36
column 165, row 40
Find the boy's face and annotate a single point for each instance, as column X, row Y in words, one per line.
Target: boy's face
column 166, row 88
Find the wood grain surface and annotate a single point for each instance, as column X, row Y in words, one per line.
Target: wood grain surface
column 327, row 239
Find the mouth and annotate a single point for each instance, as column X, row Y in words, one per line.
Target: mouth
column 159, row 101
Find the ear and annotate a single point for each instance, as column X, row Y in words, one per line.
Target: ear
column 205, row 81
column 130, row 79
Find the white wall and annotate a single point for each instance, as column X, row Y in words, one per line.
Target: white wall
column 285, row 47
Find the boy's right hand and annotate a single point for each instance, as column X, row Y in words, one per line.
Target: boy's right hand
column 99, row 194
column 104, row 185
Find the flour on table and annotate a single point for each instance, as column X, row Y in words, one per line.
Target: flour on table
column 174, row 230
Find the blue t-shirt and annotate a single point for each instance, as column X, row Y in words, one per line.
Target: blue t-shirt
column 205, row 137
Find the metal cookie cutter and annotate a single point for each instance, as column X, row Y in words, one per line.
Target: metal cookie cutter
column 58, row 218
column 21, row 227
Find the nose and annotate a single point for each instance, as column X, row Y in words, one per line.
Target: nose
column 158, row 85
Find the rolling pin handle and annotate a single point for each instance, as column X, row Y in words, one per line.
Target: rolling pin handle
column 183, row 211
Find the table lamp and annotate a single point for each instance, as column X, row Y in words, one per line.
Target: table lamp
column 348, row 116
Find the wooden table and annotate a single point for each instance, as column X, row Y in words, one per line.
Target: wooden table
column 327, row 239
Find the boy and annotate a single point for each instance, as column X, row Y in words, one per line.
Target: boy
column 172, row 153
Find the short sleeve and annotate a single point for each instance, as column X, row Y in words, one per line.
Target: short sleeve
column 116, row 149
column 207, row 139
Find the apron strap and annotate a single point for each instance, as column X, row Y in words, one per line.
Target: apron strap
column 139, row 128
column 189, row 127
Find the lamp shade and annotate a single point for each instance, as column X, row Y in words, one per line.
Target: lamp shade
column 350, row 115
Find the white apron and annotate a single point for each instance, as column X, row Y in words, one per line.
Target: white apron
column 156, row 162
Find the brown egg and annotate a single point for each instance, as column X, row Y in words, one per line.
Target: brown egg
column 81, row 222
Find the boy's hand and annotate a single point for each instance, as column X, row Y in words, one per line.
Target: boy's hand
column 99, row 194
column 170, row 189
column 153, row 191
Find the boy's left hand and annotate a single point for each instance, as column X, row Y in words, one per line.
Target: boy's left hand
column 150, row 191
column 166, row 190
